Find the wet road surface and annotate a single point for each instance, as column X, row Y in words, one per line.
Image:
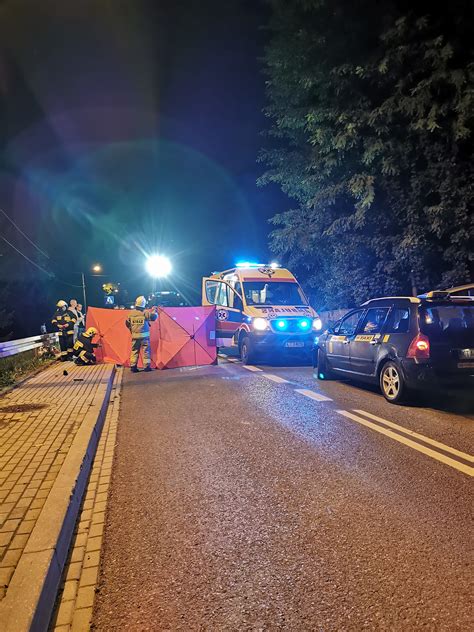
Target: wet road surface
column 264, row 500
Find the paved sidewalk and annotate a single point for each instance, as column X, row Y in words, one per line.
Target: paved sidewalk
column 79, row 584
column 38, row 423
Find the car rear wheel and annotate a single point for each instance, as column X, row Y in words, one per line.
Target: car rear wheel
column 323, row 372
column 247, row 354
column 392, row 383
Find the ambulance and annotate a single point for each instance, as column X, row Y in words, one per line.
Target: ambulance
column 261, row 310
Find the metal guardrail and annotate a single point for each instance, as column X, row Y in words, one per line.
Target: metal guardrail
column 12, row 347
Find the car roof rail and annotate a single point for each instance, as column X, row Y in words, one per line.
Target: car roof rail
column 412, row 299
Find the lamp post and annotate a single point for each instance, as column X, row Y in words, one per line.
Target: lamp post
column 97, row 269
column 158, row 266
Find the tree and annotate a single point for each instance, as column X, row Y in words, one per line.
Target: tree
column 371, row 107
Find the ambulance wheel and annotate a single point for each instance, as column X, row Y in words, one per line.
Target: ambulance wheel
column 247, row 354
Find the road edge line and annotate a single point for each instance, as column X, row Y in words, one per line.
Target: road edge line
column 31, row 596
column 442, row 458
column 417, row 435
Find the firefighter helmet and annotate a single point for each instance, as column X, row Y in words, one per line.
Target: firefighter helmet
column 91, row 332
column 140, row 302
column 61, row 304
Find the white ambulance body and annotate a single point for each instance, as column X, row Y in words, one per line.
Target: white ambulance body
column 261, row 309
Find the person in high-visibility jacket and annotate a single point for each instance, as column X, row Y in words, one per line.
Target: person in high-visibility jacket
column 63, row 321
column 84, row 347
column 138, row 322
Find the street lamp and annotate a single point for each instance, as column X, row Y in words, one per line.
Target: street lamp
column 158, row 266
column 96, row 268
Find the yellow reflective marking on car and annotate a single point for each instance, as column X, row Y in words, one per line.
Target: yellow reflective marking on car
column 364, row 338
column 338, row 338
column 386, row 338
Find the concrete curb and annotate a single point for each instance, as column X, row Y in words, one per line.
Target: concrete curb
column 31, row 595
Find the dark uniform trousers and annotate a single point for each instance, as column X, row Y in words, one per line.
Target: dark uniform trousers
column 64, row 322
column 84, row 350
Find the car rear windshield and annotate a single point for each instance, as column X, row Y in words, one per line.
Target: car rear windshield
column 451, row 323
column 273, row 293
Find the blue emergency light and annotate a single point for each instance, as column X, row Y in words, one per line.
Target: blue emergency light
column 281, row 324
column 249, row 264
column 304, row 324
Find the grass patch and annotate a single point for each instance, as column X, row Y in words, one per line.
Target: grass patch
column 19, row 366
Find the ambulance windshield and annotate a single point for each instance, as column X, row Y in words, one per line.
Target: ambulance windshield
column 273, row 293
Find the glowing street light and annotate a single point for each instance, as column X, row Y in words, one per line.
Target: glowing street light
column 97, row 268
column 158, row 266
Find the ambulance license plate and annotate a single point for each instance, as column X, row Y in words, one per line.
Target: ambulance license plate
column 465, row 365
column 294, row 344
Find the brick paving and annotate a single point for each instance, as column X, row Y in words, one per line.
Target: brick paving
column 75, row 602
column 38, row 422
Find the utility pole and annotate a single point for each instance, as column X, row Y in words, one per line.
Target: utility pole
column 414, row 290
column 84, row 290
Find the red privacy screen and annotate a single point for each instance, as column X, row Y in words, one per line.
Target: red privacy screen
column 181, row 336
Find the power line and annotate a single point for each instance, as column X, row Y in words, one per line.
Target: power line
column 24, row 235
column 50, row 274
column 66, row 282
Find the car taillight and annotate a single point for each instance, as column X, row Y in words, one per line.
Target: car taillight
column 419, row 347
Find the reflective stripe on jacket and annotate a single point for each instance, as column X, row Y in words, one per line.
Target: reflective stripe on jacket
column 138, row 322
column 84, row 343
column 63, row 321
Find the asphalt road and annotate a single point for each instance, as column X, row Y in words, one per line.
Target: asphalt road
column 240, row 502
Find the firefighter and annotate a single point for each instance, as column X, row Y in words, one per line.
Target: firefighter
column 84, row 347
column 63, row 321
column 138, row 322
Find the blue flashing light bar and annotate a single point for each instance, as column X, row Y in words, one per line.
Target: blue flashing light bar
column 254, row 264
column 249, row 264
column 281, row 324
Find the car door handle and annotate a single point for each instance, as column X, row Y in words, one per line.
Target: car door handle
column 345, row 342
column 375, row 342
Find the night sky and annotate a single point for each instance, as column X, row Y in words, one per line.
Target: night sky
column 129, row 128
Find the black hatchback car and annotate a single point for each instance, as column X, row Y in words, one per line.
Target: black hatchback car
column 402, row 343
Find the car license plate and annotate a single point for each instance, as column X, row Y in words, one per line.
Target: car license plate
column 466, row 354
column 465, row 365
column 294, row 344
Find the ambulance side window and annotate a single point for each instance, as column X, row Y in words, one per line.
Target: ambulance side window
column 222, row 297
column 212, row 288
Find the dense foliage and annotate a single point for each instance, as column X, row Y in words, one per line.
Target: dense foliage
column 371, row 106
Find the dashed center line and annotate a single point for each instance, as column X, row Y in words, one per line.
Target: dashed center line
column 275, row 378
column 466, row 469
column 312, row 395
column 438, row 456
column 416, row 435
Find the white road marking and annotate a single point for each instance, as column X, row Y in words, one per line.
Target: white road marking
column 466, row 469
column 312, row 395
column 436, row 444
column 224, row 357
column 249, row 367
column 275, row 378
